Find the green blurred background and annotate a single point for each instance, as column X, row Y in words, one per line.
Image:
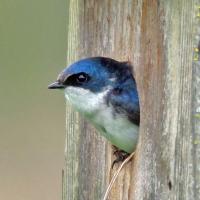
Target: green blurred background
column 33, row 37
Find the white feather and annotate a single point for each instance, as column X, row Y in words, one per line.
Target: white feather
column 84, row 100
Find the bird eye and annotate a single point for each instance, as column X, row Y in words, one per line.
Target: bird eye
column 82, row 77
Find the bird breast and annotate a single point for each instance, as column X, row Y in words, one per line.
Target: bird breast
column 114, row 126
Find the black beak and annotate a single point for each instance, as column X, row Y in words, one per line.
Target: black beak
column 56, row 85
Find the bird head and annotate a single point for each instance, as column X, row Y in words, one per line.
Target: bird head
column 87, row 81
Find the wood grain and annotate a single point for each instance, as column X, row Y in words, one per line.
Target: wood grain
column 158, row 37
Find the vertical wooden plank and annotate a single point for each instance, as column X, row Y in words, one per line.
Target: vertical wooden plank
column 70, row 182
column 97, row 28
column 109, row 28
column 151, row 74
column 164, row 164
column 85, row 151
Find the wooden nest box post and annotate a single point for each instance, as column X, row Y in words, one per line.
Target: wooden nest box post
column 160, row 38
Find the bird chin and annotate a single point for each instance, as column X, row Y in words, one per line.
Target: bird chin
column 84, row 100
column 79, row 98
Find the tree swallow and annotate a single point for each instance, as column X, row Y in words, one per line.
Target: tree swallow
column 104, row 91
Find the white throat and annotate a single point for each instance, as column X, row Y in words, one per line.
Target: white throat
column 84, row 100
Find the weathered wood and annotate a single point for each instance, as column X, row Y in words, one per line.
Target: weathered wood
column 164, row 169
column 158, row 36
